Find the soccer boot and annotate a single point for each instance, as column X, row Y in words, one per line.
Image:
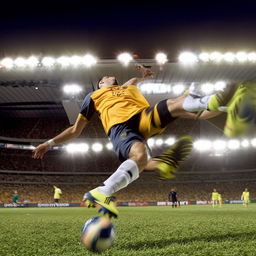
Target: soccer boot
column 222, row 99
column 171, row 159
column 241, row 114
column 94, row 197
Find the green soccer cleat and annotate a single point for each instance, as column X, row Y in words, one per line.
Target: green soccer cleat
column 171, row 159
column 222, row 98
column 241, row 114
column 94, row 197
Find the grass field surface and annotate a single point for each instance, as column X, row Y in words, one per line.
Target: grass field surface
column 189, row 230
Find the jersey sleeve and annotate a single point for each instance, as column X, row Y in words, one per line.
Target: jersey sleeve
column 87, row 109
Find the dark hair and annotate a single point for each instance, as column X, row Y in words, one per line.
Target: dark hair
column 97, row 86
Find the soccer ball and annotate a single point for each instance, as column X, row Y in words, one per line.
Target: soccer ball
column 98, row 234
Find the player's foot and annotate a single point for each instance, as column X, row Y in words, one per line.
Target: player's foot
column 223, row 98
column 94, row 197
column 241, row 114
column 171, row 159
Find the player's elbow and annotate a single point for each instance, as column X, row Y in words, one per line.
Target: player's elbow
column 74, row 131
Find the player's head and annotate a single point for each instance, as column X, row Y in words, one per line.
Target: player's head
column 15, row 192
column 246, row 189
column 214, row 190
column 106, row 81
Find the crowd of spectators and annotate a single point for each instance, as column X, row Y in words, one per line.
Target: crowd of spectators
column 136, row 192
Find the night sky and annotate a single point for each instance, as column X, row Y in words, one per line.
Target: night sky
column 138, row 27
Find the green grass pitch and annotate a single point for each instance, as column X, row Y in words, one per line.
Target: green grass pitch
column 190, row 230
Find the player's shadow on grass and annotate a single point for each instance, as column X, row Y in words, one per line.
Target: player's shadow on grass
column 206, row 238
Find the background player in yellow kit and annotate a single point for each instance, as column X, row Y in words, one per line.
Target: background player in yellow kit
column 245, row 197
column 215, row 197
column 219, row 200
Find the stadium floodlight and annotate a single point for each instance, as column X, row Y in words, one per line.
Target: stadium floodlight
column 125, row 58
column 220, row 86
column 151, row 142
column 77, row 148
column 72, row 89
column 207, row 88
column 188, row 58
column 229, row 57
column 170, row 141
column 159, row 142
column 48, row 62
column 154, row 88
column 161, row 58
column 97, row 147
column 178, row 89
column 216, row 56
column 109, row 146
column 32, row 62
column 219, row 145
column 233, row 144
column 204, row 56
column 7, row 63
column 202, row 145
column 63, row 61
column 253, row 142
column 89, row 60
column 75, row 60
column 245, row 143
column 252, row 56
column 20, row 62
column 242, row 56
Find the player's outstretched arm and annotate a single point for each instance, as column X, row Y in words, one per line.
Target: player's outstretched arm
column 68, row 134
column 145, row 72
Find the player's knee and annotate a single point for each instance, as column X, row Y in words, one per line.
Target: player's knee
column 138, row 153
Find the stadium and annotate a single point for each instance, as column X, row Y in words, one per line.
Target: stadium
column 41, row 95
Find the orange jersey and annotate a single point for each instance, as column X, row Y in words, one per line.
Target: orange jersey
column 114, row 104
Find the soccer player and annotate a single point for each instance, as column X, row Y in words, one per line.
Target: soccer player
column 15, row 198
column 57, row 194
column 215, row 197
column 245, row 197
column 173, row 197
column 129, row 121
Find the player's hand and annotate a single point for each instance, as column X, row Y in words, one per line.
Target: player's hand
column 40, row 150
column 146, row 72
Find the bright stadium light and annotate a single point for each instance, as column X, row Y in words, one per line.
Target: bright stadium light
column 32, row 62
column 204, row 56
column 161, row 58
column 125, row 58
column 72, row 89
column 159, row 142
column 233, row 144
column 216, row 56
column 88, row 60
column 245, row 143
column 178, row 89
column 220, row 86
column 252, row 56
column 109, row 146
column 170, row 141
column 20, row 62
column 77, row 148
column 207, row 88
column 75, row 60
column 155, row 88
column 253, row 142
column 188, row 58
column 63, row 61
column 229, row 57
column 97, row 147
column 202, row 145
column 219, row 145
column 241, row 56
column 7, row 63
column 48, row 61
column 151, row 142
